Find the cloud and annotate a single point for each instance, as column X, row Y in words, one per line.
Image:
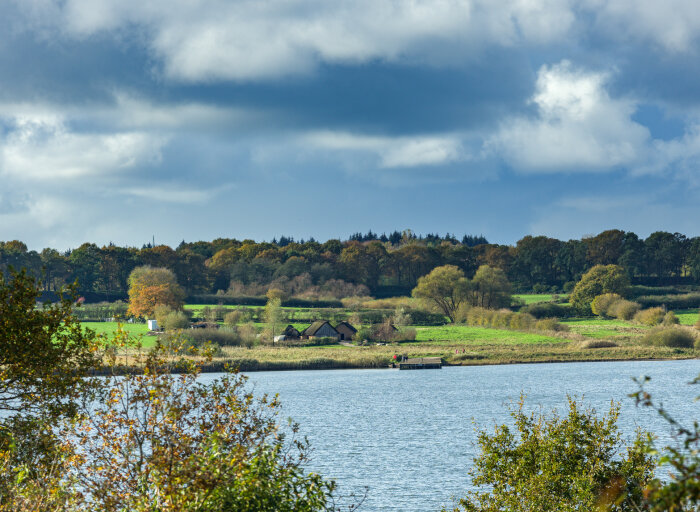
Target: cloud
column 43, row 147
column 577, row 126
column 213, row 40
column 673, row 25
column 393, row 152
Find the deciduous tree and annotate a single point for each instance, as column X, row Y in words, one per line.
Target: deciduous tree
column 150, row 287
column 446, row 287
column 597, row 281
column 559, row 464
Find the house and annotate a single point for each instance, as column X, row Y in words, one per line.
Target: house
column 320, row 329
column 291, row 333
column 346, row 330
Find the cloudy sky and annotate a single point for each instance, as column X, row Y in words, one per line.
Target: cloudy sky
column 196, row 119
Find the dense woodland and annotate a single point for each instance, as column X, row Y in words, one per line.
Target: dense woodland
column 365, row 264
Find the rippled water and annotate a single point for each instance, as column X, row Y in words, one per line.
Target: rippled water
column 409, row 436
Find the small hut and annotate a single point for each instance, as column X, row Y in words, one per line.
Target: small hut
column 320, row 329
column 346, row 331
column 291, row 333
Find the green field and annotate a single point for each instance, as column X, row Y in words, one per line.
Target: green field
column 687, row 316
column 535, row 298
column 455, row 344
column 107, row 329
column 465, row 334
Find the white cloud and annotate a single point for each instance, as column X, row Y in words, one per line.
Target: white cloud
column 43, row 147
column 674, row 25
column 248, row 39
column 578, row 126
column 393, row 152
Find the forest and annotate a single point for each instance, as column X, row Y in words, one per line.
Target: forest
column 363, row 265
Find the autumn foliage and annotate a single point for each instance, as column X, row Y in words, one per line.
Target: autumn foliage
column 150, row 287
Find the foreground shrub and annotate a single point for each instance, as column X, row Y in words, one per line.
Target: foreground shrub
column 676, row 337
column 565, row 464
column 623, row 309
column 651, row 316
column 198, row 447
column 602, row 303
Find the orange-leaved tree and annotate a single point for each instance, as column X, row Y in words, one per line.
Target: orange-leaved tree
column 153, row 286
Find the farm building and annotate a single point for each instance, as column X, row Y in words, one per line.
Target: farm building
column 291, row 333
column 320, row 329
column 346, row 331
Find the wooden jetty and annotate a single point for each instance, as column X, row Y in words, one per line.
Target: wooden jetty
column 420, row 363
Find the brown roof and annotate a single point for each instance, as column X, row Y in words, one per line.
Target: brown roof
column 314, row 327
column 291, row 331
column 346, row 324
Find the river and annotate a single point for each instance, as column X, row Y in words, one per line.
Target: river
column 409, row 437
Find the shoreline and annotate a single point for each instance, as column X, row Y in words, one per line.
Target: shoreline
column 266, row 366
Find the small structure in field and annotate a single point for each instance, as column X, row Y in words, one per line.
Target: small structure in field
column 291, row 333
column 421, row 363
column 204, row 325
column 152, row 325
column 320, row 329
column 346, row 331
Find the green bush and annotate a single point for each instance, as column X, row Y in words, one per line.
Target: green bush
column 675, row 337
column 362, row 334
column 568, row 463
column 637, row 290
column 235, row 317
column 670, row 318
column 420, row 317
column 100, row 311
column 506, row 319
column 160, row 312
column 602, row 303
column 623, row 309
column 522, row 322
column 175, row 320
column 651, row 316
column 222, row 337
column 598, row 344
column 598, row 280
column 551, row 324
column 548, row 310
column 685, row 301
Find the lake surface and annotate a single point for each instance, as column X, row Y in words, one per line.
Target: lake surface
column 410, row 436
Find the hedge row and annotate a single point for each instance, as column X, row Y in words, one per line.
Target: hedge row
column 549, row 310
column 261, row 301
column 685, row 301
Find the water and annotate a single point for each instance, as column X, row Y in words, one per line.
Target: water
column 410, row 436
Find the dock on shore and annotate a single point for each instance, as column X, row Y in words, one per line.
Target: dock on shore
column 420, row 363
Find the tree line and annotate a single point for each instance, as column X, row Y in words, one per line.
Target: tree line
column 365, row 264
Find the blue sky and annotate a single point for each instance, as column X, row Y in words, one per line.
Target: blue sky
column 123, row 119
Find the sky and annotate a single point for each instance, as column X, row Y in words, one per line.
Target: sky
column 125, row 121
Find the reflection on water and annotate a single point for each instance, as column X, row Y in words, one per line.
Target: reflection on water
column 410, row 436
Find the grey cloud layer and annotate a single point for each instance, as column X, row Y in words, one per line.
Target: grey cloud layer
column 194, row 103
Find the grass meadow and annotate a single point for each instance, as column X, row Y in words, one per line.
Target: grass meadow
column 455, row 344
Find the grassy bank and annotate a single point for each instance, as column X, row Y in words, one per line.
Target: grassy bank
column 455, row 344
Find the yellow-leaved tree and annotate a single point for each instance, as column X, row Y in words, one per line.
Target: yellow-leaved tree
column 153, row 286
